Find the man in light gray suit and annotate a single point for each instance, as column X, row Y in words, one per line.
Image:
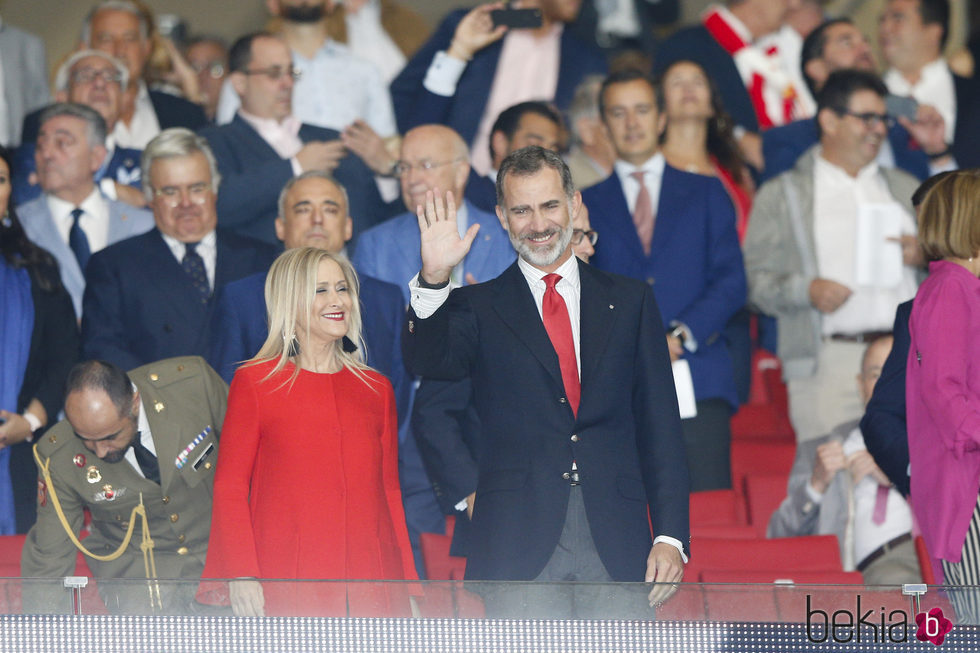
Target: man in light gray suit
column 25, row 80
column 72, row 219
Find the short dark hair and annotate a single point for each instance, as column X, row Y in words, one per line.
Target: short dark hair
column 105, row 376
column 622, row 77
column 813, row 48
column 240, row 54
column 920, row 193
column 936, row 12
column 842, row 84
column 510, row 118
column 529, row 160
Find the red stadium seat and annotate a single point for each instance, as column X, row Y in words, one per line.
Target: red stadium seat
column 808, row 553
column 925, row 561
column 715, row 508
column 439, row 565
column 726, row 531
column 763, row 494
column 752, row 457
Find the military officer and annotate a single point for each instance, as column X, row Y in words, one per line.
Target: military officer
column 148, row 437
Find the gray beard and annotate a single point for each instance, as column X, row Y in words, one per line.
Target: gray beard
column 543, row 258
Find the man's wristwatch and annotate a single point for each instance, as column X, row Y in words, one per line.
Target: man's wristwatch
column 678, row 332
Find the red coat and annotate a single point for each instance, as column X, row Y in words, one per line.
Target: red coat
column 306, row 486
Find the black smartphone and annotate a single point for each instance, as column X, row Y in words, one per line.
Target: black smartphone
column 900, row 105
column 516, row 18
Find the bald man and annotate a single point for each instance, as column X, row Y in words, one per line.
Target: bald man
column 432, row 157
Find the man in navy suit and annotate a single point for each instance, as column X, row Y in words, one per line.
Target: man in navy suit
column 432, row 157
column 95, row 79
column 837, row 45
column 469, row 72
column 73, row 219
column 582, row 446
column 312, row 213
column 150, row 297
column 675, row 231
column 265, row 145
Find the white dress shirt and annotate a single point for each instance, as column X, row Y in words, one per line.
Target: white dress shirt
column 654, row 169
column 368, row 40
column 143, row 126
column 935, row 87
column 837, row 199
column 146, row 439
column 207, row 248
column 94, row 221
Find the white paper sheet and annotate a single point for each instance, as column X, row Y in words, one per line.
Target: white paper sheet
column 684, row 386
column 878, row 261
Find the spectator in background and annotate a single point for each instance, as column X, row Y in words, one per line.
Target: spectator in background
column 917, row 147
column 527, row 123
column 591, row 155
column 25, row 80
column 830, row 290
column 470, row 71
column 624, row 25
column 72, row 219
column 94, row 79
column 208, row 56
column 912, row 35
column 836, row 488
column 265, row 144
column 675, row 231
column 941, row 386
column 150, row 297
column 40, row 343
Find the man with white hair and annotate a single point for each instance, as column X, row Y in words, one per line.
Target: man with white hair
column 97, row 80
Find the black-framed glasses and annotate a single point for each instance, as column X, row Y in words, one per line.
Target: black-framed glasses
column 89, row 75
column 869, row 118
column 579, row 234
column 404, row 167
column 275, row 73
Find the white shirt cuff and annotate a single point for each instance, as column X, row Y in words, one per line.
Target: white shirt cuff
column 443, row 74
column 673, row 541
column 108, row 188
column 811, row 492
column 461, row 506
column 426, row 301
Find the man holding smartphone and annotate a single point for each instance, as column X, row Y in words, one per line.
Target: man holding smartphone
column 475, row 67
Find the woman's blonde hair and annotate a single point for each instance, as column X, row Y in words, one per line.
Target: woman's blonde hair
column 949, row 217
column 289, row 291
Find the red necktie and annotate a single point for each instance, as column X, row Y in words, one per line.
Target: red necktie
column 881, row 505
column 554, row 313
column 643, row 213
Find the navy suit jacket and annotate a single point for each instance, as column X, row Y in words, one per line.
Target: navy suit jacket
column 782, row 146
column 883, row 426
column 239, row 327
column 140, row 306
column 414, row 105
column 967, row 132
column 627, row 445
column 253, row 174
column 122, row 165
column 696, row 44
column 481, row 191
column 172, row 111
column 695, row 264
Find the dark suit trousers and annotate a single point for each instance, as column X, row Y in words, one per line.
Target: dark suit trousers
column 708, row 439
column 574, row 584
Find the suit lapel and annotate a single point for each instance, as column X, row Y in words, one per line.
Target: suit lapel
column 250, row 138
column 181, row 292
column 120, row 225
column 166, row 435
column 515, row 306
column 619, row 216
column 675, row 197
column 476, row 260
column 596, row 318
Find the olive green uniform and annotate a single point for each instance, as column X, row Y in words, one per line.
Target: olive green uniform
column 184, row 401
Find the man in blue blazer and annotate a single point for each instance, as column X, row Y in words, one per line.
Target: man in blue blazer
column 264, row 145
column 464, row 53
column 313, row 213
column 432, row 157
column 692, row 261
column 67, row 177
column 150, row 297
column 582, row 448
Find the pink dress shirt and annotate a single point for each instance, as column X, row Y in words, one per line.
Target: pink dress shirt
column 942, row 394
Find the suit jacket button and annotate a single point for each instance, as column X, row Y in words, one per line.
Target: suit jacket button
column 574, row 437
column 562, row 400
column 182, row 551
column 650, row 281
column 181, row 538
column 165, row 499
column 566, row 476
column 174, row 517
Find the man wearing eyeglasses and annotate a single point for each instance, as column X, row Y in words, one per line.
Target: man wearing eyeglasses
column 830, row 252
column 95, row 79
column 72, row 218
column 675, row 231
column 265, row 145
column 150, row 297
column 432, row 158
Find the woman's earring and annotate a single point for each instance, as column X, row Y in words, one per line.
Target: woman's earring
column 291, row 345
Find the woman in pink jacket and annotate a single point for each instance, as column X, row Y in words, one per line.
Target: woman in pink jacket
column 943, row 385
